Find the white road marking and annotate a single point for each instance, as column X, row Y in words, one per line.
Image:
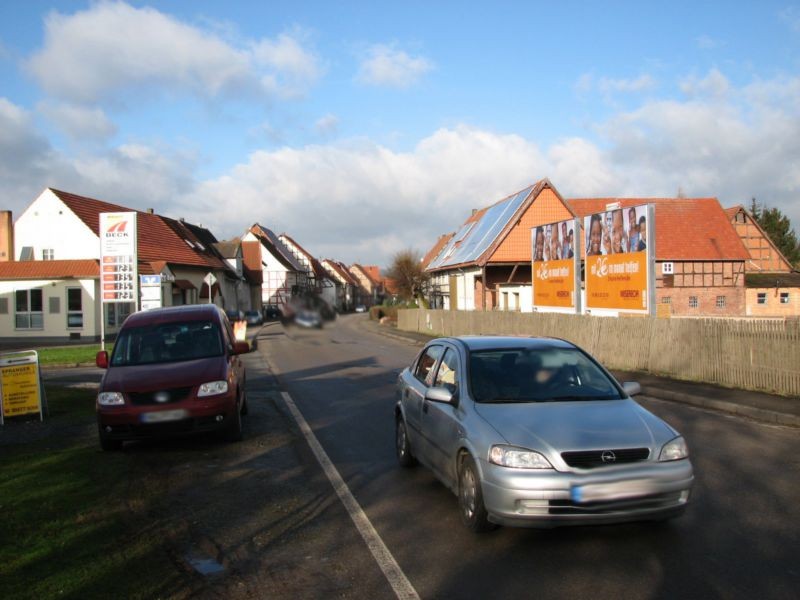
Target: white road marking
column 397, row 579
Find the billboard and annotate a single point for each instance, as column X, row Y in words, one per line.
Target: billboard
column 118, row 260
column 618, row 259
column 556, row 266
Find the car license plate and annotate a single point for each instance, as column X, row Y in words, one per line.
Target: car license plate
column 614, row 490
column 163, row 416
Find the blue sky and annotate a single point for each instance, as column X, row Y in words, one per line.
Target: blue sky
column 365, row 128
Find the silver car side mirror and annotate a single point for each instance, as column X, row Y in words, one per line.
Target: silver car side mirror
column 632, row 388
column 440, row 394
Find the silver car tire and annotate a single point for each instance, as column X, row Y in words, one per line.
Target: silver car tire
column 470, row 498
column 402, row 446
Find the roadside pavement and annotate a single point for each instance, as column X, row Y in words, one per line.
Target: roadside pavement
column 760, row 406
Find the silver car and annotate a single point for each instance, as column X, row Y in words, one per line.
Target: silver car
column 534, row 432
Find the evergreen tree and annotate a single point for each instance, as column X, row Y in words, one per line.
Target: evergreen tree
column 778, row 227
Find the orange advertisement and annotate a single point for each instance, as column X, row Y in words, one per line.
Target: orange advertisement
column 617, row 281
column 553, row 268
column 554, row 283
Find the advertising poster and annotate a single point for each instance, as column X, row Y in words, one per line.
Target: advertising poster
column 555, row 266
column 617, row 259
column 19, row 380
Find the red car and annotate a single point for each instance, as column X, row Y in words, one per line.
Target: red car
column 173, row 371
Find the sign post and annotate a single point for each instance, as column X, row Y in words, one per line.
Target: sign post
column 151, row 291
column 118, row 263
column 210, row 280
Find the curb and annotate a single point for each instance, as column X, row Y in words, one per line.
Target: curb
column 758, row 414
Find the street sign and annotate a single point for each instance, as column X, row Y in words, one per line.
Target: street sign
column 150, row 286
column 210, row 279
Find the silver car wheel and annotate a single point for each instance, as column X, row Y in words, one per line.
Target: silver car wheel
column 402, row 446
column 468, row 487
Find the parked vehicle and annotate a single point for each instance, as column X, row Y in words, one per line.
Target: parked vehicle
column 535, row 432
column 308, row 318
column 235, row 315
column 253, row 317
column 173, row 371
column 360, row 308
column 271, row 311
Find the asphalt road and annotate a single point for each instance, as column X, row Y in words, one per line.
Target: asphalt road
column 738, row 539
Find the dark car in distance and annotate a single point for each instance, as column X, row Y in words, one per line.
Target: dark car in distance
column 253, row 317
column 173, row 371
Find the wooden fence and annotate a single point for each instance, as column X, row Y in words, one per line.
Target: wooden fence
column 748, row 354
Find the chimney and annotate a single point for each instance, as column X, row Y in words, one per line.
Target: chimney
column 6, row 236
column 150, row 211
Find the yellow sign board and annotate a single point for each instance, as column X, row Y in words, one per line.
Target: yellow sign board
column 19, row 380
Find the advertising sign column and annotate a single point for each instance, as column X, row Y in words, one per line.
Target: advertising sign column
column 118, row 261
column 619, row 260
column 556, row 266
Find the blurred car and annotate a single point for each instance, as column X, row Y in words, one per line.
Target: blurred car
column 253, row 317
column 173, row 371
column 308, row 318
column 235, row 315
column 534, row 432
column 361, row 308
column 272, row 312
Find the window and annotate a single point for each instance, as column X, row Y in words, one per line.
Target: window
column 424, row 370
column 720, row 301
column 74, row 308
column 784, row 297
column 447, row 375
column 666, row 300
column 29, row 309
column 693, row 302
column 762, row 298
column 48, row 254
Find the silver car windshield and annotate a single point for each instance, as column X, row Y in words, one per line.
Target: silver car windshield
column 167, row 342
column 538, row 375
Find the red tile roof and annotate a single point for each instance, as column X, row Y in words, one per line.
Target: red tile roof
column 50, row 269
column 372, row 273
column 686, row 228
column 159, row 238
column 341, row 270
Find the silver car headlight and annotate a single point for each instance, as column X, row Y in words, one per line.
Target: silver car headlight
column 518, row 458
column 110, row 399
column 212, row 388
column 674, row 450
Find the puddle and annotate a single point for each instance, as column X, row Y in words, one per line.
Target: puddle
column 205, row 566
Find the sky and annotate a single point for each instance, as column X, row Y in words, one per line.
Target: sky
column 362, row 129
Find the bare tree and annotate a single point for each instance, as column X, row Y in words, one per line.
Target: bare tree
column 407, row 272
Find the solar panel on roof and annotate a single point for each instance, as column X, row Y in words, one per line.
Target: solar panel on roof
column 485, row 231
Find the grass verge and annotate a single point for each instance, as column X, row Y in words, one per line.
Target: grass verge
column 66, row 520
column 70, row 355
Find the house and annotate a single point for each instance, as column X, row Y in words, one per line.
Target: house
column 772, row 286
column 283, row 274
column 486, row 264
column 700, row 260
column 321, row 287
column 55, row 289
column 346, row 284
column 369, row 291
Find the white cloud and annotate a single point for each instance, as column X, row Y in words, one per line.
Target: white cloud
column 607, row 86
column 385, row 66
column 78, row 122
column 791, row 16
column 362, row 201
column 327, row 125
column 112, row 48
column 706, row 42
column 714, row 84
